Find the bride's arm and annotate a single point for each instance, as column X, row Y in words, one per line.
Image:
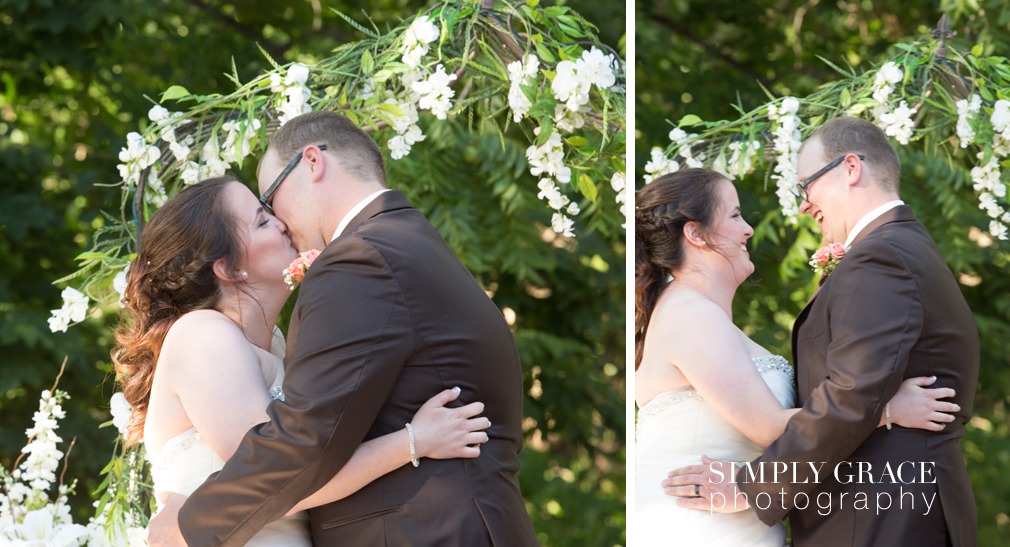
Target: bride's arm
column 439, row 432
column 217, row 377
column 700, row 340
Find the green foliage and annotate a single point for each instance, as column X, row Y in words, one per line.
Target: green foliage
column 73, row 79
column 719, row 60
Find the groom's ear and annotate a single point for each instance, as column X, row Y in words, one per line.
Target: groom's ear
column 853, row 169
column 221, row 271
column 313, row 156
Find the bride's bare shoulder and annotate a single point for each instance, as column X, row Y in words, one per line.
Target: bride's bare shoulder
column 685, row 310
column 202, row 332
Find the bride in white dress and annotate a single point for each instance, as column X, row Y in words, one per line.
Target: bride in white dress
column 200, row 357
column 703, row 388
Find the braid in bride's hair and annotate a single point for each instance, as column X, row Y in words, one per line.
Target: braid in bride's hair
column 172, row 276
column 662, row 208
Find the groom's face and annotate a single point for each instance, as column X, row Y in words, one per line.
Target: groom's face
column 824, row 199
column 285, row 197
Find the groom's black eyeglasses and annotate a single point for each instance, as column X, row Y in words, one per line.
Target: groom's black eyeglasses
column 269, row 194
column 801, row 188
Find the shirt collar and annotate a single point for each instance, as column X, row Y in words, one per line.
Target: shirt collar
column 870, row 217
column 354, row 212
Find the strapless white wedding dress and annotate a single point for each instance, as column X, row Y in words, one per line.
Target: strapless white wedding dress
column 674, row 430
column 186, row 461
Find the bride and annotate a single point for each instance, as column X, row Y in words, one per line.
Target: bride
column 703, row 387
column 200, row 357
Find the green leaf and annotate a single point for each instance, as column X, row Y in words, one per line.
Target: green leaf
column 689, row 120
column 618, row 164
column 977, row 50
column 907, row 47
column 587, row 187
column 532, row 3
column 555, row 11
column 90, row 255
column 576, row 141
column 549, row 74
column 174, row 92
column 382, row 75
column 545, row 54
column 546, row 127
column 367, row 63
column 986, row 94
column 392, row 109
column 987, row 155
column 846, row 98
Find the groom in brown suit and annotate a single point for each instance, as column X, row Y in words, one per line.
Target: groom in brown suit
column 387, row 317
column 891, row 310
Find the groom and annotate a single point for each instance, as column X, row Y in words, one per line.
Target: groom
column 387, row 316
column 890, row 310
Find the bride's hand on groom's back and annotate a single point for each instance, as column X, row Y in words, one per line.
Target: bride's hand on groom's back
column 916, row 407
column 443, row 433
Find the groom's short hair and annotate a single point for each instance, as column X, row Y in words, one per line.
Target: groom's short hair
column 358, row 152
column 848, row 135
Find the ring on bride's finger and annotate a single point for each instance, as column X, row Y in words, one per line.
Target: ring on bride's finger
column 697, row 490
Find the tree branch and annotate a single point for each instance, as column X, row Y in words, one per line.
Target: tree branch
column 683, row 31
column 276, row 51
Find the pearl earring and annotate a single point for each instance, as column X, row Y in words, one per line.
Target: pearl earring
column 245, row 274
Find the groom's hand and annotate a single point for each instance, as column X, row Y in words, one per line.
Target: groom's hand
column 717, row 489
column 163, row 530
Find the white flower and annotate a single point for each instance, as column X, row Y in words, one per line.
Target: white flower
column 997, row 230
column 298, row 74
column 679, row 136
column 965, row 110
column 567, row 120
column 1001, row 118
column 659, row 165
column 521, row 73
column 890, row 73
column 416, row 39
column 121, row 412
column 618, row 182
column 548, row 158
column 741, row 162
column 899, row 122
column 573, row 208
column 570, row 86
column 75, row 308
column 39, row 530
column 398, row 147
column 596, row 68
column 786, row 144
column 435, row 92
column 158, row 113
column 119, row 284
column 562, row 225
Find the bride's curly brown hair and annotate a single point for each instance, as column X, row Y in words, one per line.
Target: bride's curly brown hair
column 172, row 276
column 662, row 209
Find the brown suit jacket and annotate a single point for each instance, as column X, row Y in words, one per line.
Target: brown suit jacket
column 387, row 317
column 891, row 310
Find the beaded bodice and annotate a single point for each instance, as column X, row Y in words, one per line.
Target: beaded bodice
column 668, row 399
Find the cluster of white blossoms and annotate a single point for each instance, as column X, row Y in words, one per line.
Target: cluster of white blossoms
column 887, row 77
column 521, row 73
column 406, row 128
column 547, row 160
column 987, row 183
column 122, row 412
column 75, row 308
column 620, row 185
column 415, row 41
column 295, row 95
column 98, row 533
column 574, row 79
column 27, row 516
column 741, row 161
column 659, row 165
column 787, row 145
column 435, row 92
column 136, row 157
column 210, row 165
column 897, row 123
column 966, row 109
column 238, row 142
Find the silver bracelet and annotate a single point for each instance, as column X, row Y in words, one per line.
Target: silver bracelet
column 887, row 418
column 413, row 455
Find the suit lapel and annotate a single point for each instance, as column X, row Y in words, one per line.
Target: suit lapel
column 386, row 201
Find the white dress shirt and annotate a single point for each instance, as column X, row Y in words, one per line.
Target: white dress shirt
column 870, row 217
column 354, row 212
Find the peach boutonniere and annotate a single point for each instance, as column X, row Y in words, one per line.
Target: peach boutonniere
column 827, row 258
column 296, row 271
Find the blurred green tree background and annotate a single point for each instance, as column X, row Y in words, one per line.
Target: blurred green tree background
column 74, row 77
column 699, row 57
